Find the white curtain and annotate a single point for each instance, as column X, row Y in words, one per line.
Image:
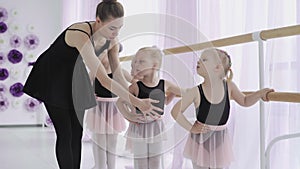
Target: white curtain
column 78, row 11
column 219, row 19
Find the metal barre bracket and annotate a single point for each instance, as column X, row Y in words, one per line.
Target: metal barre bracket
column 256, row 36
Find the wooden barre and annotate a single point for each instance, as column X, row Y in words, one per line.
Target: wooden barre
column 282, row 96
column 265, row 34
column 279, row 96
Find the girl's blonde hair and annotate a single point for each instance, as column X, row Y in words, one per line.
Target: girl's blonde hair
column 225, row 60
column 155, row 53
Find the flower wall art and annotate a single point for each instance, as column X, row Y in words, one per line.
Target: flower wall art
column 18, row 45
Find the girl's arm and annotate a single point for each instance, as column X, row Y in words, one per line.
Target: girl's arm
column 249, row 99
column 179, row 108
column 169, row 97
column 172, row 91
column 83, row 44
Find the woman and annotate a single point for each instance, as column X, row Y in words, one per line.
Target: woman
column 59, row 77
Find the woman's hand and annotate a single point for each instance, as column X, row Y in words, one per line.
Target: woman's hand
column 199, row 128
column 148, row 109
column 136, row 119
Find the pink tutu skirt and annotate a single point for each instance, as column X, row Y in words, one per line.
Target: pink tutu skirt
column 151, row 132
column 105, row 118
column 212, row 149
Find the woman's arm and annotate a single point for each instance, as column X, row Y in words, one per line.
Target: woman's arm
column 127, row 111
column 249, row 99
column 127, row 75
column 83, row 44
column 113, row 57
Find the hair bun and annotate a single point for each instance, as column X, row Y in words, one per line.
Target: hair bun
column 109, row 1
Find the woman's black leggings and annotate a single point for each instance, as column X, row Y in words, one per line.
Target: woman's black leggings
column 68, row 136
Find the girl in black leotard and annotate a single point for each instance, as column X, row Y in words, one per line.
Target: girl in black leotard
column 146, row 134
column 208, row 145
column 59, row 78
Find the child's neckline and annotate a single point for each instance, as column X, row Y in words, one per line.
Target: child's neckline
column 150, row 86
column 204, row 95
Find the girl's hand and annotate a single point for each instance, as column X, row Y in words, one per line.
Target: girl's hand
column 148, row 109
column 265, row 93
column 199, row 128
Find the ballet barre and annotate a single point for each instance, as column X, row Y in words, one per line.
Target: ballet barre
column 264, row 35
column 282, row 96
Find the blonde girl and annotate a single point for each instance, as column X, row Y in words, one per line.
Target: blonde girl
column 146, row 133
column 208, row 145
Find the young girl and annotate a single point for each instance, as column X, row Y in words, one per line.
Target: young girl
column 146, row 133
column 104, row 121
column 208, row 145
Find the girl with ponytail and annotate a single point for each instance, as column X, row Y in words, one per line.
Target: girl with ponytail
column 208, row 145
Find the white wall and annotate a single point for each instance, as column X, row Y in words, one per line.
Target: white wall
column 44, row 19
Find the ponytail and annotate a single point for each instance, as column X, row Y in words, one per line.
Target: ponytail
column 229, row 74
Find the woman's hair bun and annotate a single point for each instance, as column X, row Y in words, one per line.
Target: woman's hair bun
column 109, row 1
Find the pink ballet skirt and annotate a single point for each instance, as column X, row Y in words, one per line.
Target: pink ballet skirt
column 151, row 132
column 212, row 149
column 105, row 118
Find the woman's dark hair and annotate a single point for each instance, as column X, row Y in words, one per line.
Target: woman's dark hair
column 109, row 9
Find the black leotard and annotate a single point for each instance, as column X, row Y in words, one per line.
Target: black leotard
column 156, row 93
column 213, row 114
column 59, row 76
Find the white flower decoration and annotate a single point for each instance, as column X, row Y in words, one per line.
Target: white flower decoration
column 15, row 103
column 14, row 73
column 30, row 57
column 30, row 28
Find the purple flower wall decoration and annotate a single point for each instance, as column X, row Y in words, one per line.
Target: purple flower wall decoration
column 31, row 104
column 49, row 121
column 14, row 56
column 2, row 58
column 3, row 14
column 31, row 63
column 31, row 41
column 3, row 27
column 2, row 88
column 3, row 103
column 3, row 73
column 16, row 89
column 15, row 41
